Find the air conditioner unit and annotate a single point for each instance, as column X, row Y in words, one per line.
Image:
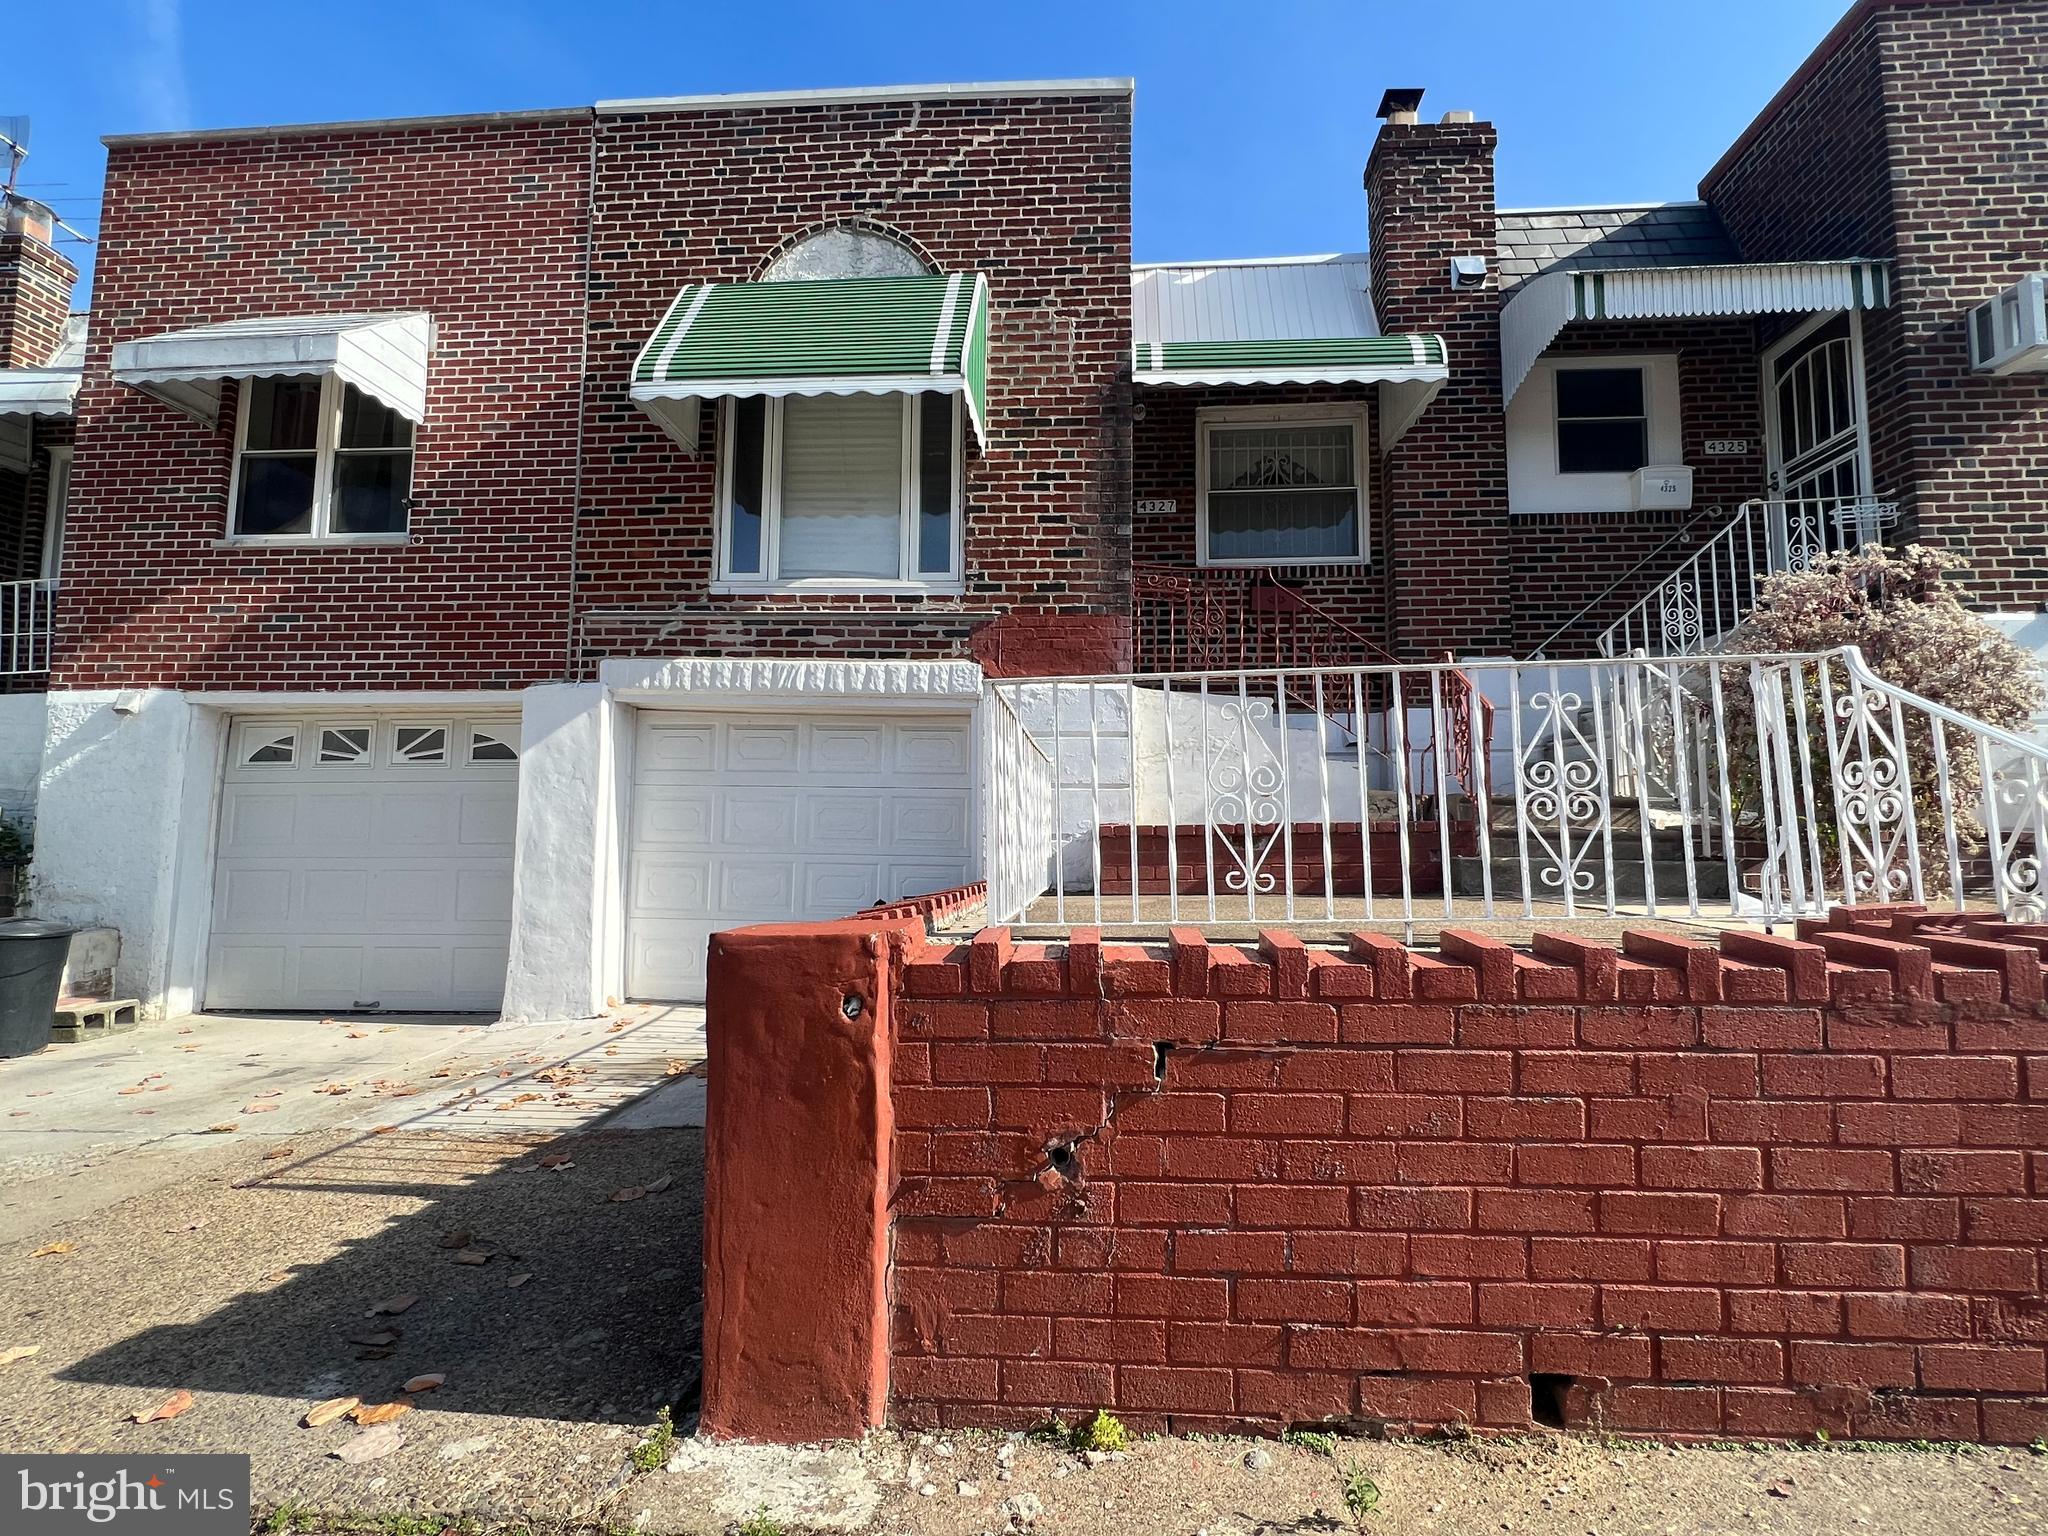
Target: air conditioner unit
column 1662, row 487
column 2009, row 333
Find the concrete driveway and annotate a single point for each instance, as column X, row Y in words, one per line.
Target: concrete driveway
column 89, row 1124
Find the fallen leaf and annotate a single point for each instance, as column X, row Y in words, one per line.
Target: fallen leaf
column 379, row 1413
column 473, row 1256
column 223, row 1129
column 425, row 1383
column 377, row 1441
column 258, row 1109
column 169, row 1408
column 124, row 1092
column 394, row 1305
column 14, row 1352
column 52, row 1248
column 630, row 1192
column 388, row 1029
column 329, row 1411
column 382, row 1130
column 555, row 1160
column 615, row 1026
column 358, row 1034
column 269, row 1093
column 277, row 1152
column 1782, row 1489
column 517, row 1281
column 656, row 1186
column 378, row 1338
column 332, row 1088
column 375, row 1354
column 456, row 1237
column 677, row 1068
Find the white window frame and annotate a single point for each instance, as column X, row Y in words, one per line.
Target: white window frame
column 908, row 578
column 57, row 494
column 326, row 448
column 1536, row 486
column 1354, row 417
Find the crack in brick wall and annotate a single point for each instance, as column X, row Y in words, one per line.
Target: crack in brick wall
column 1762, row 1187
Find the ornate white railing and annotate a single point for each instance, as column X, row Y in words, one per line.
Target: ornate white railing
column 1784, row 783
column 1717, row 587
column 27, row 620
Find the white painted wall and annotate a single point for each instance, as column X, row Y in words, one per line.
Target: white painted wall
column 565, row 868
column 125, row 829
column 21, row 751
column 1534, row 484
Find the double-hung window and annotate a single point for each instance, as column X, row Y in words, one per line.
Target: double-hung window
column 840, row 491
column 316, row 458
column 1280, row 487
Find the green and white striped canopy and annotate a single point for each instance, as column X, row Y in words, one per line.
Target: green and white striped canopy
column 834, row 336
column 1333, row 360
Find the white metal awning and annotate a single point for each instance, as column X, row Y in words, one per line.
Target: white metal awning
column 383, row 355
column 1543, row 306
column 38, row 391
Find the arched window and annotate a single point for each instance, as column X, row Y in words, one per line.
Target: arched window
column 844, row 250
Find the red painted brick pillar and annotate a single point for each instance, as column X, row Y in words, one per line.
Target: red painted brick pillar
column 796, row 1164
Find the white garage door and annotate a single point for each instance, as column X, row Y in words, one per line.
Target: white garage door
column 364, row 862
column 777, row 818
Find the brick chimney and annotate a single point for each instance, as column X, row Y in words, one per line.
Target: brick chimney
column 1429, row 199
column 35, row 284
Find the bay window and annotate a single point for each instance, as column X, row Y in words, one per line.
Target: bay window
column 316, row 458
column 840, row 491
column 1280, row 486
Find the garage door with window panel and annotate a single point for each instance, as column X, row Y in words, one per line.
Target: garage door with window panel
column 741, row 819
column 364, row 862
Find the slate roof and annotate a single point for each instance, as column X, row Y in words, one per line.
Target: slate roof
column 1534, row 240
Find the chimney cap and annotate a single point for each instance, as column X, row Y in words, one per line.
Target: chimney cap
column 1399, row 99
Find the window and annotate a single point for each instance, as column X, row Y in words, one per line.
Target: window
column 414, row 744
column 841, row 491
column 1603, row 425
column 318, row 459
column 490, row 746
column 1280, row 488
column 343, row 745
column 269, row 745
column 1580, row 427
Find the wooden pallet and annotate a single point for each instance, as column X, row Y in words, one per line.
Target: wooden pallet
column 83, row 1018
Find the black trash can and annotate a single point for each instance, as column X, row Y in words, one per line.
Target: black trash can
column 32, row 954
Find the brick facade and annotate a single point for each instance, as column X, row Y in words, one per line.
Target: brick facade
column 546, row 249
column 479, row 223
column 1035, row 192
column 1920, row 134
column 1766, row 1189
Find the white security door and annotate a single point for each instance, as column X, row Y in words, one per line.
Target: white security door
column 747, row 818
column 364, row 862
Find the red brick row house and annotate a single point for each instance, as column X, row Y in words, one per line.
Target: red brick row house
column 502, row 550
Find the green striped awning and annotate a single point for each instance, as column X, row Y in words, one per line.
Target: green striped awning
column 834, row 336
column 1333, row 360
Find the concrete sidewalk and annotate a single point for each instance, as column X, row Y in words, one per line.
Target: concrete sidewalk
column 89, row 1124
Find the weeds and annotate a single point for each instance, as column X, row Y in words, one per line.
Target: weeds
column 289, row 1516
column 759, row 1523
column 652, row 1454
column 1322, row 1442
column 1103, row 1432
column 1361, row 1494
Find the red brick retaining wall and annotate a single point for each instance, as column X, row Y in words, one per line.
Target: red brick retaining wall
column 1764, row 1187
column 1768, row 1188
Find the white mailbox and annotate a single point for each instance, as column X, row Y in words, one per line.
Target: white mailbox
column 1662, row 487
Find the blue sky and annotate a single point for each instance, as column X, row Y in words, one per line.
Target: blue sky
column 1253, row 120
